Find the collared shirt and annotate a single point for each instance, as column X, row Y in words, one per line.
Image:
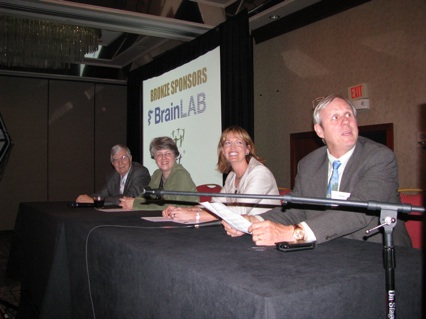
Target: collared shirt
column 343, row 161
column 123, row 180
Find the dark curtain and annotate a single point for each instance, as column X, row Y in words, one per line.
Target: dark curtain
column 235, row 43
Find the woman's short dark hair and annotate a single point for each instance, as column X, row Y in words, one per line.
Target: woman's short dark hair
column 163, row 143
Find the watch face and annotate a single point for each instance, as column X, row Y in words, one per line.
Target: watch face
column 298, row 233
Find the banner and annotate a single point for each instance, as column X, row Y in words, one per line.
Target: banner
column 185, row 104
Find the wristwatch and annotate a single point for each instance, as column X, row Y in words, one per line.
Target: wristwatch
column 298, row 232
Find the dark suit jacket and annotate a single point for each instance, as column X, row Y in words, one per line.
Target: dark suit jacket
column 370, row 174
column 137, row 179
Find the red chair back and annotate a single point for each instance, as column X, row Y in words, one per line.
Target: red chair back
column 284, row 191
column 208, row 188
column 414, row 223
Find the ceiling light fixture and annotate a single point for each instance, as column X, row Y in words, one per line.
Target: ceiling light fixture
column 44, row 44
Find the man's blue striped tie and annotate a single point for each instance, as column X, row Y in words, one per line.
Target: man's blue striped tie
column 333, row 185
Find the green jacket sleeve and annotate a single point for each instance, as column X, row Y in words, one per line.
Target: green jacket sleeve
column 178, row 180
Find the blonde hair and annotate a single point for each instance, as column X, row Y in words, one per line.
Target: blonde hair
column 223, row 165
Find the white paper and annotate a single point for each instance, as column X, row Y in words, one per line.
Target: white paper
column 162, row 219
column 115, row 210
column 235, row 220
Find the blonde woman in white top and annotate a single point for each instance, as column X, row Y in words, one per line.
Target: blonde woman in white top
column 246, row 175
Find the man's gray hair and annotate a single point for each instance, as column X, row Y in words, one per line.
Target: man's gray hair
column 117, row 148
column 325, row 102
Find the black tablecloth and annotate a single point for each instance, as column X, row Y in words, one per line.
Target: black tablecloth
column 138, row 270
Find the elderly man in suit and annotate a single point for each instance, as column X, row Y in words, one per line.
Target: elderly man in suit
column 364, row 170
column 127, row 179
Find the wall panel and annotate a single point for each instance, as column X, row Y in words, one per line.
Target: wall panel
column 110, row 126
column 71, row 139
column 380, row 43
column 25, row 115
column 62, row 129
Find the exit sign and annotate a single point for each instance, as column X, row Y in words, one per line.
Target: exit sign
column 358, row 91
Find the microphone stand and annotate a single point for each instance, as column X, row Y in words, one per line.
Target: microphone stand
column 388, row 219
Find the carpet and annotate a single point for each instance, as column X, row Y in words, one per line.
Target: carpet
column 9, row 289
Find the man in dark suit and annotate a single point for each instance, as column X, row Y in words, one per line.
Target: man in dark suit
column 127, row 179
column 366, row 171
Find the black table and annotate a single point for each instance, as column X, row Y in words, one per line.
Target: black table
column 138, row 270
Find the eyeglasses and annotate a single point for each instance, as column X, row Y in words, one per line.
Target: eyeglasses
column 119, row 159
column 165, row 154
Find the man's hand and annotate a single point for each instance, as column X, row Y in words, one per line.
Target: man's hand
column 84, row 199
column 267, row 233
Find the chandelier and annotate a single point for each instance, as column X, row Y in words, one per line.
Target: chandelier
column 43, row 44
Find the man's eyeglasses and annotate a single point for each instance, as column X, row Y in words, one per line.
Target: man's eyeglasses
column 119, row 159
column 165, row 154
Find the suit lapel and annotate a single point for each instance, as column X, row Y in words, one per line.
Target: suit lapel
column 116, row 183
column 319, row 184
column 323, row 181
column 351, row 166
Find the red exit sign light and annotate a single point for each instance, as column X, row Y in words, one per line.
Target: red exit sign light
column 358, row 91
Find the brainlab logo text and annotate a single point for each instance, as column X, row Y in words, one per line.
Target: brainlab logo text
column 194, row 106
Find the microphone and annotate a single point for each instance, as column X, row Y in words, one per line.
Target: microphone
column 148, row 192
column 369, row 205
